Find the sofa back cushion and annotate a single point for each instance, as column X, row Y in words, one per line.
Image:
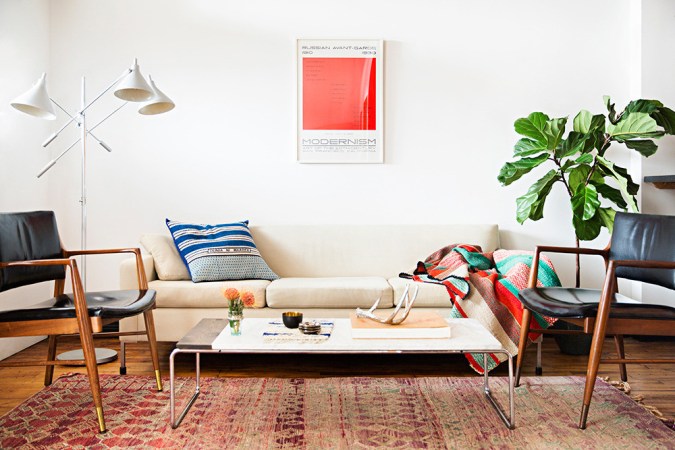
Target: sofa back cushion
column 360, row 250
column 168, row 263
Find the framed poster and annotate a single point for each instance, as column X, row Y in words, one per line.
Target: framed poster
column 340, row 101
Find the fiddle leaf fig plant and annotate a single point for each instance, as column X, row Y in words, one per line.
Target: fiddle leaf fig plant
column 597, row 187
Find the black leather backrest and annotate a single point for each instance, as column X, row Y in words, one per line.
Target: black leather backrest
column 644, row 237
column 26, row 236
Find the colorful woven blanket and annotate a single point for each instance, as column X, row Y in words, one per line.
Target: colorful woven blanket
column 484, row 286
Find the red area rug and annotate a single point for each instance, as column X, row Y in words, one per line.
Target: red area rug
column 340, row 413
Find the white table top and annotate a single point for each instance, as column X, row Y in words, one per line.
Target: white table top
column 467, row 335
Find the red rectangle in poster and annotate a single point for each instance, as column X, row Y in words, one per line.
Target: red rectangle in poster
column 340, row 108
column 339, row 94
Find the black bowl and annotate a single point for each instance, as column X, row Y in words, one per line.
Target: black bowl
column 292, row 319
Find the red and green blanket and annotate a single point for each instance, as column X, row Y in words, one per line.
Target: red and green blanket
column 484, row 286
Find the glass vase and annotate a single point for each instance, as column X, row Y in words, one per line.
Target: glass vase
column 235, row 323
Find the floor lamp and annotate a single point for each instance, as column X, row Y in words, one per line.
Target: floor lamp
column 129, row 86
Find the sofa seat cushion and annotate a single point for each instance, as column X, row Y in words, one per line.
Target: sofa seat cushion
column 333, row 292
column 186, row 294
column 429, row 295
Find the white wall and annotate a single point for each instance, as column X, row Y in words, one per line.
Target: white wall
column 457, row 75
column 658, row 81
column 24, row 56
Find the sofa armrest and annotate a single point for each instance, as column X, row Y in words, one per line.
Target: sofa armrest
column 128, row 278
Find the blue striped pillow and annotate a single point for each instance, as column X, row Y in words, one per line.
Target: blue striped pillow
column 219, row 252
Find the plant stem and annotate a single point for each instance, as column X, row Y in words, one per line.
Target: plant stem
column 562, row 176
column 578, row 267
column 605, row 145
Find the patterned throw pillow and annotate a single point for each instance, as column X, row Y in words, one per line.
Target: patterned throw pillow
column 219, row 252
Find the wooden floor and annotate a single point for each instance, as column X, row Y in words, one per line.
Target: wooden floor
column 656, row 382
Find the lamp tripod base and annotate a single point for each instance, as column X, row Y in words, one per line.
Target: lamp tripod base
column 103, row 355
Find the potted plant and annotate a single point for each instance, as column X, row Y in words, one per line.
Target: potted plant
column 580, row 162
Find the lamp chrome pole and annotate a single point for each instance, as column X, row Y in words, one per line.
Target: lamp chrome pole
column 83, row 191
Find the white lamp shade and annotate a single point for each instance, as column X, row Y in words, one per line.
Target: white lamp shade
column 134, row 88
column 158, row 104
column 35, row 101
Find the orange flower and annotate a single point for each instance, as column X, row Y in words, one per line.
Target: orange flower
column 248, row 299
column 231, row 294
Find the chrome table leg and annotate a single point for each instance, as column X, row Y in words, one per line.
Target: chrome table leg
column 176, row 423
column 510, row 420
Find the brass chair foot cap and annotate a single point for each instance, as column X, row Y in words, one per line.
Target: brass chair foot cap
column 101, row 420
column 158, row 377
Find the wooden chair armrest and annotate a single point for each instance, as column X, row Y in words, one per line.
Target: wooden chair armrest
column 37, row 262
column 581, row 251
column 534, row 269
column 78, row 293
column 140, row 269
column 70, row 253
column 643, row 264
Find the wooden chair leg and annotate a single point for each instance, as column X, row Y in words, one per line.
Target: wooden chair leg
column 152, row 341
column 596, row 348
column 89, row 351
column 591, row 374
column 524, row 331
column 59, row 286
column 51, row 355
column 618, row 342
column 538, row 370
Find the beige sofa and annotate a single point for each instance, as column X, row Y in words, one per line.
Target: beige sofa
column 325, row 271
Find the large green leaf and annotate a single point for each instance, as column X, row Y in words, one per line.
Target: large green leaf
column 587, row 230
column 643, row 106
column 631, row 186
column 528, row 147
column 582, row 121
column 586, row 158
column 610, row 109
column 665, row 118
column 579, row 143
column 626, row 185
column 532, row 126
column 554, row 130
column 578, row 177
column 606, row 216
column 537, row 209
column 585, row 202
column 611, row 194
column 574, row 144
column 585, row 122
column 646, row 147
column 535, row 198
column 635, row 125
column 512, row 171
column 542, row 130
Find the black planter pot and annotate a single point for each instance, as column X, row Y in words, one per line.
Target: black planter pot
column 572, row 344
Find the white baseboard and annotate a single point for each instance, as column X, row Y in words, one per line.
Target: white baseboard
column 10, row 346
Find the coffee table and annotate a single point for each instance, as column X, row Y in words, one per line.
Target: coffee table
column 212, row 336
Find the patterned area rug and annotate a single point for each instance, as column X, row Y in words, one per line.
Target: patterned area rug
column 340, row 413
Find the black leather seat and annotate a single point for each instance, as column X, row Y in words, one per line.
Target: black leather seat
column 111, row 304
column 30, row 253
column 642, row 248
column 581, row 303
